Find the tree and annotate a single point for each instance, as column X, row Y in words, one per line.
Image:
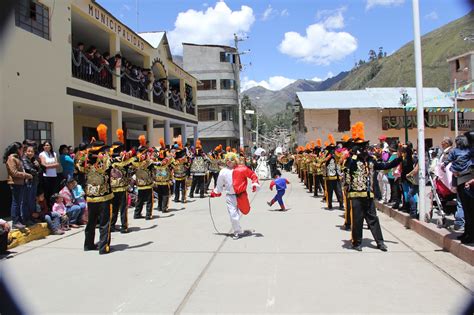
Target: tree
column 372, row 55
column 380, row 55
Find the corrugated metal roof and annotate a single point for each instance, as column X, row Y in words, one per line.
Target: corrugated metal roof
column 370, row 98
column 153, row 38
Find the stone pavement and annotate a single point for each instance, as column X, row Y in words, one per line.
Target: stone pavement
column 296, row 261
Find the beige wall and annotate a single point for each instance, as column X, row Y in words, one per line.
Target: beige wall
column 33, row 80
column 83, row 121
column 322, row 122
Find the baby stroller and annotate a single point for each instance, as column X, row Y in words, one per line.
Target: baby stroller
column 443, row 200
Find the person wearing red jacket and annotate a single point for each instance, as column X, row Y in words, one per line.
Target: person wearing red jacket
column 233, row 181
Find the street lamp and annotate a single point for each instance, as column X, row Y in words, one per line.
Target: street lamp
column 404, row 100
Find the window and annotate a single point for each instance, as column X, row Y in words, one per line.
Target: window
column 458, row 65
column 227, row 57
column 38, row 131
column 227, row 84
column 207, row 114
column 227, row 115
column 207, row 85
column 88, row 133
column 344, row 120
column 32, row 17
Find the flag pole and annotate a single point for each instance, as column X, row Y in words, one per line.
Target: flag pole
column 420, row 112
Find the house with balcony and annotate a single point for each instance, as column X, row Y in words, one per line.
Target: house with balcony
column 461, row 70
column 69, row 65
column 379, row 109
column 217, row 68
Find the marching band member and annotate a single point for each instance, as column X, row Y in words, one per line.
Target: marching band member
column 96, row 165
column 120, row 177
column 180, row 172
column 143, row 166
column 332, row 175
column 162, row 177
column 199, row 166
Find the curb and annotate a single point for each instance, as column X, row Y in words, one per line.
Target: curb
column 439, row 236
column 35, row 232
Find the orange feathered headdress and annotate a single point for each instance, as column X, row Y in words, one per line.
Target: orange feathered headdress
column 228, row 149
column 180, row 141
column 312, row 145
column 234, row 150
column 120, row 135
column 162, row 143
column 198, row 144
column 326, row 143
column 358, row 129
column 345, row 138
column 102, row 132
column 142, row 140
column 308, row 146
column 319, row 142
column 331, row 139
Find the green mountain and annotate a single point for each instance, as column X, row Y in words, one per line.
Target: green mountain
column 398, row 69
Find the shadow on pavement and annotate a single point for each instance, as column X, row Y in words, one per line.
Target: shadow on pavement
column 165, row 216
column 122, row 247
column 137, row 228
column 175, row 210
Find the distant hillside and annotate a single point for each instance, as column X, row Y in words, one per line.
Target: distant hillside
column 398, row 69
column 273, row 102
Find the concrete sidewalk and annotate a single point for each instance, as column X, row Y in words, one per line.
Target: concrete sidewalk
column 296, row 261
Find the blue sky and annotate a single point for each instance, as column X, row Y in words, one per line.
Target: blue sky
column 289, row 39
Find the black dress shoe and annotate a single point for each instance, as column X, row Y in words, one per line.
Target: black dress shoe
column 347, row 227
column 112, row 229
column 467, row 240
column 148, row 218
column 139, row 216
column 123, row 230
column 382, row 247
column 357, row 248
column 88, row 248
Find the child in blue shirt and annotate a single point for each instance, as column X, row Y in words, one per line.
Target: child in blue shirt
column 280, row 184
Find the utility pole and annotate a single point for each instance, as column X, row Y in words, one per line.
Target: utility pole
column 420, row 112
column 456, row 131
column 241, row 120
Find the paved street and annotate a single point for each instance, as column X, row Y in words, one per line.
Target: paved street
column 296, row 261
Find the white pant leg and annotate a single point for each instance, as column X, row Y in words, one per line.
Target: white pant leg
column 386, row 191
column 234, row 213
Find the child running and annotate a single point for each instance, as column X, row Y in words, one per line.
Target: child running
column 280, row 184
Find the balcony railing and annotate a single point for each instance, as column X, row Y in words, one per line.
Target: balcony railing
column 190, row 107
column 159, row 94
column 398, row 122
column 135, row 88
column 463, row 124
column 175, row 102
column 85, row 69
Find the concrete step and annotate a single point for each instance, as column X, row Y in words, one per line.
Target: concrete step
column 440, row 236
column 31, row 233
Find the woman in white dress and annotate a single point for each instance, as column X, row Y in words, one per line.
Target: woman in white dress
column 262, row 170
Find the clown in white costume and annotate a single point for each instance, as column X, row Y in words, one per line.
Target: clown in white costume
column 233, row 181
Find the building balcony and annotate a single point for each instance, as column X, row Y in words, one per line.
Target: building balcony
column 431, row 121
column 463, row 124
column 84, row 69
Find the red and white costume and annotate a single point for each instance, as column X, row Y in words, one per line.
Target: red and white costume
column 234, row 183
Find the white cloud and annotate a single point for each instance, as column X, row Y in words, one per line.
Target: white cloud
column 270, row 13
column 273, row 83
column 320, row 45
column 432, row 16
column 318, row 79
column 126, row 7
column 383, row 3
column 215, row 25
column 267, row 13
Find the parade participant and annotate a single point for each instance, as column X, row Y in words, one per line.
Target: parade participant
column 199, row 166
column 332, row 175
column 162, row 177
column 360, row 174
column 215, row 165
column 311, row 167
column 143, row 168
column 342, row 154
column 233, row 181
column 318, row 172
column 120, row 178
column 97, row 166
column 180, row 171
column 280, row 184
